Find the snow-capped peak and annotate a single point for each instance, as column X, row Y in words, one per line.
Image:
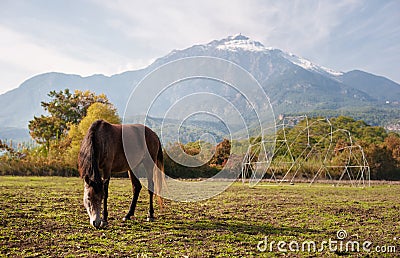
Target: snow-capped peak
column 308, row 65
column 239, row 42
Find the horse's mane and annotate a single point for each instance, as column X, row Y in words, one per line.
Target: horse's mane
column 88, row 160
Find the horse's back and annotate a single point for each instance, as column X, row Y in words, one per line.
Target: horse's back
column 139, row 141
column 126, row 146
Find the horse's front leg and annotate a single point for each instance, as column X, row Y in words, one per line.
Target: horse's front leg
column 136, row 187
column 104, row 222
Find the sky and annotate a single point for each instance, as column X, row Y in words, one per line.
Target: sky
column 108, row 37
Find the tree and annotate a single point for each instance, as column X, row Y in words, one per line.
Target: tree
column 72, row 108
column 381, row 162
column 222, row 153
column 392, row 142
column 76, row 133
column 45, row 129
column 192, row 148
column 64, row 109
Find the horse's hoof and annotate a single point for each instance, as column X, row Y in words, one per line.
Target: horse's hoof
column 103, row 224
column 150, row 219
column 126, row 218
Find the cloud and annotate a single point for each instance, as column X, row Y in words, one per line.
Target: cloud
column 178, row 24
column 366, row 37
column 112, row 36
column 21, row 52
column 290, row 25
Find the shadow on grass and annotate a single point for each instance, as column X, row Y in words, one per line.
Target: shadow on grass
column 243, row 227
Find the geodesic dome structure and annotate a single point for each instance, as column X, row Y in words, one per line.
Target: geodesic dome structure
column 313, row 143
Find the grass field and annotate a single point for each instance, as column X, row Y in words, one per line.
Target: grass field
column 44, row 216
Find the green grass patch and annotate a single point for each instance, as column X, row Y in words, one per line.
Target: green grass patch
column 44, row 216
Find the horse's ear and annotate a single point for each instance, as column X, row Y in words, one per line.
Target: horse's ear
column 87, row 179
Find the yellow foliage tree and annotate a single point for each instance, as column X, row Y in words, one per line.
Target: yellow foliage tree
column 76, row 133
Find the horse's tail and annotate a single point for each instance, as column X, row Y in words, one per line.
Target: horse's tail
column 159, row 176
column 88, row 160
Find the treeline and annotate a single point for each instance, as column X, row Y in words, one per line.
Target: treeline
column 339, row 142
column 301, row 148
column 371, row 115
column 57, row 135
column 340, row 147
column 196, row 159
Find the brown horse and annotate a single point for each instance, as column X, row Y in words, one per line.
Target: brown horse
column 103, row 151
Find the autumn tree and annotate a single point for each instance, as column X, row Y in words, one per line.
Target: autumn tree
column 64, row 109
column 222, row 152
column 76, row 133
column 381, row 162
column 191, row 148
column 392, row 142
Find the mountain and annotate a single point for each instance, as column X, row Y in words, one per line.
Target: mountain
column 378, row 87
column 20, row 105
column 293, row 84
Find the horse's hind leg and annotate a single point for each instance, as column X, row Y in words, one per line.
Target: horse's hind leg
column 149, row 166
column 136, row 187
column 150, row 216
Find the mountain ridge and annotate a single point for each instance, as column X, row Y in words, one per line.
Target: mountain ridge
column 292, row 83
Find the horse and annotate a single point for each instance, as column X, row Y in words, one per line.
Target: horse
column 103, row 152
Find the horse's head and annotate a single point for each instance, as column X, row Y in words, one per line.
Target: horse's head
column 92, row 198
